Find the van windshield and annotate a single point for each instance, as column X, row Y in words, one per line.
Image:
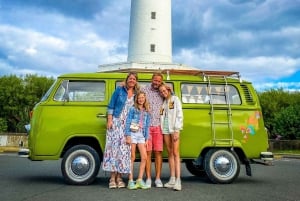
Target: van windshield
column 80, row 91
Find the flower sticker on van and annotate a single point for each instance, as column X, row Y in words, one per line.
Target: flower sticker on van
column 252, row 124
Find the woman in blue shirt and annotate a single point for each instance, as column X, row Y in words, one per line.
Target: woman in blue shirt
column 116, row 158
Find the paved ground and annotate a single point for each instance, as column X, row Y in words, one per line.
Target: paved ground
column 25, row 180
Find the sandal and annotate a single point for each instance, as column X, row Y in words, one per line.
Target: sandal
column 120, row 183
column 112, row 183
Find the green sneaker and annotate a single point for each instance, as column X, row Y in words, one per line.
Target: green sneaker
column 131, row 185
column 141, row 184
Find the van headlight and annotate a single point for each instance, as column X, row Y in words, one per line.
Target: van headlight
column 27, row 127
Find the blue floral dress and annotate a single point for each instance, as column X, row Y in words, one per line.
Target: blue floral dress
column 117, row 153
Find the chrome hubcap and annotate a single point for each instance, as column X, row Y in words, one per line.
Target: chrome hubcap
column 80, row 165
column 222, row 165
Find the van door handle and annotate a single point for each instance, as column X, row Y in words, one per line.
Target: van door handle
column 101, row 115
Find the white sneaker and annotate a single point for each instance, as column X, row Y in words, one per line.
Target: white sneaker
column 158, row 183
column 177, row 186
column 148, row 183
column 170, row 183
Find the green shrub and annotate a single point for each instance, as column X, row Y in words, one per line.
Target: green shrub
column 287, row 122
column 3, row 125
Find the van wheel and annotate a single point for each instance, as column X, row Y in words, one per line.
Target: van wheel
column 194, row 169
column 221, row 166
column 80, row 165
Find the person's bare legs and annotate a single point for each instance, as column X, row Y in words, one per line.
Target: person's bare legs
column 176, row 153
column 133, row 148
column 143, row 155
column 131, row 185
column 158, row 164
column 148, row 164
column 169, row 145
column 156, row 139
column 112, row 180
column 176, row 159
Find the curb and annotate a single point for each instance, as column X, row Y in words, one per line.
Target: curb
column 9, row 149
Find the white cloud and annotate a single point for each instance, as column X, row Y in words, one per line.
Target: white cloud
column 259, row 38
column 252, row 68
column 31, row 51
column 78, row 50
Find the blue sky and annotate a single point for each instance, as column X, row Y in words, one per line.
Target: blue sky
column 259, row 38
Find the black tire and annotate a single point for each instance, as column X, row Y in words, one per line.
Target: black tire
column 80, row 165
column 194, row 169
column 221, row 166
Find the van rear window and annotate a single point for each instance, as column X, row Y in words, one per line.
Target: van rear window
column 213, row 94
column 80, row 91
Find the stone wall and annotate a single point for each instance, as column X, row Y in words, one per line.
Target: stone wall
column 14, row 140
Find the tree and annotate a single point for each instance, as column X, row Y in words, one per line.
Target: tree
column 278, row 111
column 18, row 96
column 12, row 99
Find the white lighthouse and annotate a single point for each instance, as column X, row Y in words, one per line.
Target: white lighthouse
column 150, row 36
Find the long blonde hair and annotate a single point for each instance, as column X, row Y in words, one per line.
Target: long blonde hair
column 146, row 103
column 167, row 87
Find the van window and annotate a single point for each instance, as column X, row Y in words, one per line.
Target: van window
column 141, row 84
column 80, row 91
column 47, row 94
column 216, row 94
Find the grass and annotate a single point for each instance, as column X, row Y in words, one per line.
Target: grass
column 286, row 151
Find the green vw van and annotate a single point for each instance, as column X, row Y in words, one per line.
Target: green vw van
column 223, row 123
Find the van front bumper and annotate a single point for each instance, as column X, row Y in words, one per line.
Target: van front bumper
column 23, row 152
column 266, row 156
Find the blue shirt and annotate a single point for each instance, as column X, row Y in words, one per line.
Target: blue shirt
column 117, row 101
column 134, row 115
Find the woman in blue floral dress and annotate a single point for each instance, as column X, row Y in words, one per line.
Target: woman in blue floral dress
column 117, row 155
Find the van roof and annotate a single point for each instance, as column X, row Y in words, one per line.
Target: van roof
column 181, row 72
column 169, row 74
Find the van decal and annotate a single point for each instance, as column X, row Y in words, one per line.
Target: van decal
column 251, row 127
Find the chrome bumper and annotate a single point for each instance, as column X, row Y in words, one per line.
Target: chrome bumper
column 23, row 152
column 266, row 156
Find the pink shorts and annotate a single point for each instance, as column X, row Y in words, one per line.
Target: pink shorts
column 155, row 141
